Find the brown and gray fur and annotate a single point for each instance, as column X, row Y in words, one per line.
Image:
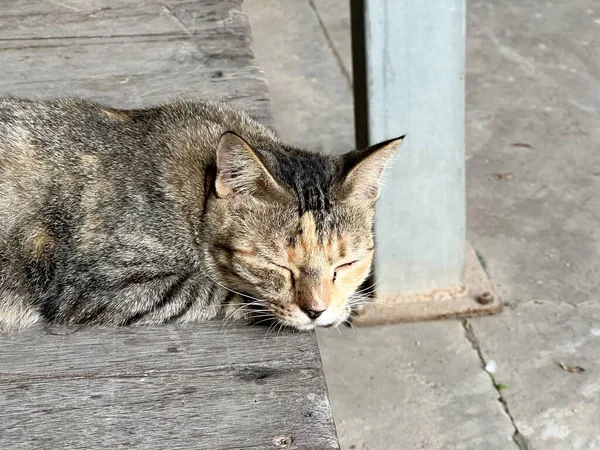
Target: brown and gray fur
column 183, row 212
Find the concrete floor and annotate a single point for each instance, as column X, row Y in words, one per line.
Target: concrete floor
column 533, row 111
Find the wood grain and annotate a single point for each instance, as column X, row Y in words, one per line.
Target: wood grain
column 131, row 54
column 199, row 386
column 203, row 386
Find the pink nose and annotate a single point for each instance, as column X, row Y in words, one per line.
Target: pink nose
column 312, row 313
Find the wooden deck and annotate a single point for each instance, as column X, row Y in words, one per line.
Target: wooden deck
column 207, row 386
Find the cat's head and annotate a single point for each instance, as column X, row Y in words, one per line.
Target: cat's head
column 291, row 229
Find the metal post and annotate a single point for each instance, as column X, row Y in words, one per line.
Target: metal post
column 409, row 72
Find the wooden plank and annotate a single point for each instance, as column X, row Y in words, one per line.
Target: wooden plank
column 206, row 386
column 131, row 54
column 409, row 78
column 46, row 20
column 164, row 68
column 54, row 18
column 159, row 349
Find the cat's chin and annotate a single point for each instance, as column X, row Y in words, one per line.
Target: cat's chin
column 313, row 325
column 305, row 327
column 298, row 321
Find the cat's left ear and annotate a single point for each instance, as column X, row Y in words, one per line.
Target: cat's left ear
column 363, row 169
column 241, row 172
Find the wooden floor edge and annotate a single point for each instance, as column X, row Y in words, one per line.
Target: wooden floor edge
column 401, row 309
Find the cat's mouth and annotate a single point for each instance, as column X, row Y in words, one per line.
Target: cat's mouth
column 277, row 315
column 300, row 321
column 294, row 321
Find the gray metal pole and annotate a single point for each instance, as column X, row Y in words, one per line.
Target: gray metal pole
column 409, row 71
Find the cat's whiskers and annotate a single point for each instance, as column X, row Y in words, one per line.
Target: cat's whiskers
column 241, row 312
column 263, row 320
column 245, row 303
column 369, row 287
column 254, row 314
column 281, row 325
column 273, row 325
column 348, row 320
column 365, row 299
column 368, row 301
column 354, row 327
column 231, row 319
column 231, row 316
column 233, row 291
column 242, row 306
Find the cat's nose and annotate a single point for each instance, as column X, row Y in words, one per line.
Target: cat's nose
column 312, row 313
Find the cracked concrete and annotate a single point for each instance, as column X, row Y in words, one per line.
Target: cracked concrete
column 533, row 177
column 552, row 408
column 416, row 386
column 517, row 436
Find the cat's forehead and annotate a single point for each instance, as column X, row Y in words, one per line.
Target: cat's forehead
column 317, row 227
column 309, row 176
column 316, row 239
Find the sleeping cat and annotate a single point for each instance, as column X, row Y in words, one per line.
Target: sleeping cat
column 183, row 212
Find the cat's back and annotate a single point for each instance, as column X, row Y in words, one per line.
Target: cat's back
column 26, row 169
column 46, row 146
column 60, row 128
column 51, row 135
column 68, row 127
column 75, row 160
column 24, row 125
column 67, row 151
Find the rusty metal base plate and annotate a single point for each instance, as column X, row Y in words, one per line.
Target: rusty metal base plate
column 477, row 298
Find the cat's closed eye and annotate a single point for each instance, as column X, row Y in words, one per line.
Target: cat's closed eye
column 341, row 268
column 286, row 269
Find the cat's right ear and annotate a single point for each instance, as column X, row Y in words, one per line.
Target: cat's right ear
column 241, row 172
column 363, row 171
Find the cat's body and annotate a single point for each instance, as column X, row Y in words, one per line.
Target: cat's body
column 126, row 217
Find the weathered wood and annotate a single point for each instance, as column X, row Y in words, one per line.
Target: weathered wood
column 205, row 386
column 131, row 54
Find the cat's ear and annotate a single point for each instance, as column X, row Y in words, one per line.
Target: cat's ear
column 240, row 170
column 363, row 169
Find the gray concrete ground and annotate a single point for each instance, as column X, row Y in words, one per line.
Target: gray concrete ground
column 533, row 174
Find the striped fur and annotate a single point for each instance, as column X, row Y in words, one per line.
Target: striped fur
column 183, row 212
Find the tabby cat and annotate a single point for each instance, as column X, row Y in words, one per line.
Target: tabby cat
column 183, row 212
